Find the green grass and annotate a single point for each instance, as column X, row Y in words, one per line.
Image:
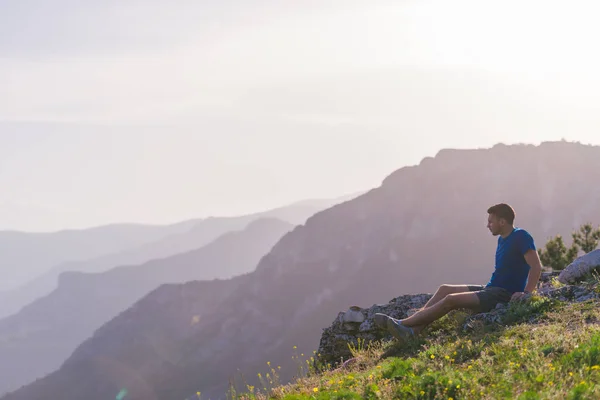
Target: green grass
column 544, row 349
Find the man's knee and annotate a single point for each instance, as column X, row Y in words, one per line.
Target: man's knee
column 451, row 300
column 444, row 288
column 454, row 301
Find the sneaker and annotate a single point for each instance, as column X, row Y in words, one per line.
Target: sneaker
column 397, row 330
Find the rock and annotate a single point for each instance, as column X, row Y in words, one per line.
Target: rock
column 580, row 268
column 586, row 297
column 357, row 324
column 354, row 314
column 546, row 277
column 493, row 317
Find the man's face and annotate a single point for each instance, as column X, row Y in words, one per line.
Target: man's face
column 495, row 224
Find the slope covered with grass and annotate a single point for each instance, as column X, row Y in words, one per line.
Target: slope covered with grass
column 542, row 348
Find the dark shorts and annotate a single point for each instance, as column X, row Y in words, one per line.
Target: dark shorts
column 489, row 297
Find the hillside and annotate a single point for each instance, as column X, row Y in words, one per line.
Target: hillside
column 425, row 225
column 39, row 338
column 545, row 347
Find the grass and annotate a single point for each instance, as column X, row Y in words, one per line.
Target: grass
column 544, row 349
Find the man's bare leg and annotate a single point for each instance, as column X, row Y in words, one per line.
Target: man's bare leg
column 450, row 302
column 442, row 292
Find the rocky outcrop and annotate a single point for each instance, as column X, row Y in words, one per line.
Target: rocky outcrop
column 581, row 268
column 356, row 326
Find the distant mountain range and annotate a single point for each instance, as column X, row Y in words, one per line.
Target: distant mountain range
column 24, row 256
column 424, row 226
column 152, row 243
column 38, row 339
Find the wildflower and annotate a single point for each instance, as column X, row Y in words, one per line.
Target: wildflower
column 432, row 356
column 379, row 367
column 450, row 398
column 469, row 367
column 315, row 390
column 570, row 374
column 447, row 357
column 331, row 382
column 596, row 367
column 458, row 386
column 422, row 392
column 455, row 353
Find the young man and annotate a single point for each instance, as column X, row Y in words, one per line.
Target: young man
column 516, row 274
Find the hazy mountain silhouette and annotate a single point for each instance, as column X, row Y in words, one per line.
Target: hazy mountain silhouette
column 425, row 225
column 38, row 339
column 197, row 234
column 24, row 255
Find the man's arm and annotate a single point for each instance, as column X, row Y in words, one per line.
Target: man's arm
column 535, row 271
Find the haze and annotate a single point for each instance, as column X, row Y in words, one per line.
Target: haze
column 153, row 111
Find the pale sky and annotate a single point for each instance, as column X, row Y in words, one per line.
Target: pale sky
column 157, row 111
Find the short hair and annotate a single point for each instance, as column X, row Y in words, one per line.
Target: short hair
column 503, row 211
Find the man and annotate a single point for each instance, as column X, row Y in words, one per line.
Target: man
column 516, row 275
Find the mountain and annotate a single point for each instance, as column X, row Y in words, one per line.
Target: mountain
column 38, row 339
column 424, row 226
column 197, row 234
column 24, row 255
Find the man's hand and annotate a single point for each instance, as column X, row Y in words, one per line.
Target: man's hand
column 519, row 296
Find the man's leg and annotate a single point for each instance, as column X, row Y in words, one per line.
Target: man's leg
column 450, row 302
column 445, row 290
column 412, row 325
column 442, row 292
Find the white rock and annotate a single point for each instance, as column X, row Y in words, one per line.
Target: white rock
column 580, row 267
column 353, row 314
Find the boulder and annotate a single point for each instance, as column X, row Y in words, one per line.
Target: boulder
column 580, row 268
column 357, row 325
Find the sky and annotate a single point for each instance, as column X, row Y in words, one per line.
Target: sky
column 158, row 111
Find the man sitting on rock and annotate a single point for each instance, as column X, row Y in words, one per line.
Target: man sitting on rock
column 516, row 274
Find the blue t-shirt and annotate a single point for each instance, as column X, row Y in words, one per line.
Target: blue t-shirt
column 512, row 270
